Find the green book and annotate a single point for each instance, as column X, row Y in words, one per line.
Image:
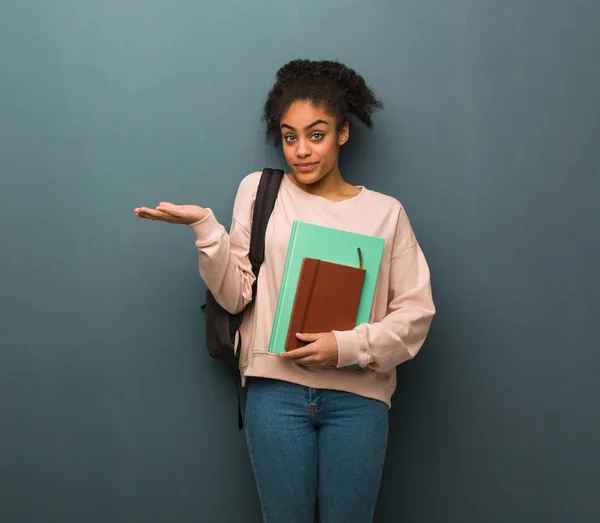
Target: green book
column 330, row 245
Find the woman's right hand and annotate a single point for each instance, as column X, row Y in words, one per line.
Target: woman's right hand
column 170, row 213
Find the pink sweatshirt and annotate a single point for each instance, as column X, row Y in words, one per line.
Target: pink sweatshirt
column 402, row 309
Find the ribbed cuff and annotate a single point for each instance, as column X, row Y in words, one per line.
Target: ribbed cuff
column 206, row 229
column 348, row 348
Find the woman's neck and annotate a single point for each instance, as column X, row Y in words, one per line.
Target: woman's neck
column 332, row 186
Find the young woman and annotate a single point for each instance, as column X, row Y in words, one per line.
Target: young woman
column 312, row 425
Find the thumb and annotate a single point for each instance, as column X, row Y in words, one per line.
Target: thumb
column 310, row 337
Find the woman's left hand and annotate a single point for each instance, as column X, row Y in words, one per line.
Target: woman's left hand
column 321, row 351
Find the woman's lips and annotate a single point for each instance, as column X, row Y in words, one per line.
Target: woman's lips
column 306, row 167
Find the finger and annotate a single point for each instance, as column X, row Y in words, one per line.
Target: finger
column 307, row 362
column 311, row 361
column 145, row 210
column 310, row 337
column 140, row 209
column 169, row 208
column 151, row 214
column 148, row 215
column 144, row 215
column 295, row 354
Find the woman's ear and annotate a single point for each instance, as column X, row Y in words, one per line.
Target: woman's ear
column 344, row 134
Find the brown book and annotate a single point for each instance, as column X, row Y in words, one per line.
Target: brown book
column 327, row 298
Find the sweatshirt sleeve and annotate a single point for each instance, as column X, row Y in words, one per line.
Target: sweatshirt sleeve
column 223, row 257
column 400, row 334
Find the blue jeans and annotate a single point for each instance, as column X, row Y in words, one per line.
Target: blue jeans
column 303, row 441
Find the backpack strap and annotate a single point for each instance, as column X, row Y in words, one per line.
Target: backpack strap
column 266, row 194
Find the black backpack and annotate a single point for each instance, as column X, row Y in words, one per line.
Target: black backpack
column 223, row 328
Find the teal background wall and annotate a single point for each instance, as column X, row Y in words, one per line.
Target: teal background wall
column 110, row 408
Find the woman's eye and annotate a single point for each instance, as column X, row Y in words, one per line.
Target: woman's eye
column 317, row 136
column 289, row 138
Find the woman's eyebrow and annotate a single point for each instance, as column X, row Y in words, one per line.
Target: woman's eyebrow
column 308, row 127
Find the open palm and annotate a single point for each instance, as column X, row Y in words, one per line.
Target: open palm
column 171, row 213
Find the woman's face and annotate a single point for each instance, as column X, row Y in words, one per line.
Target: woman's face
column 311, row 141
